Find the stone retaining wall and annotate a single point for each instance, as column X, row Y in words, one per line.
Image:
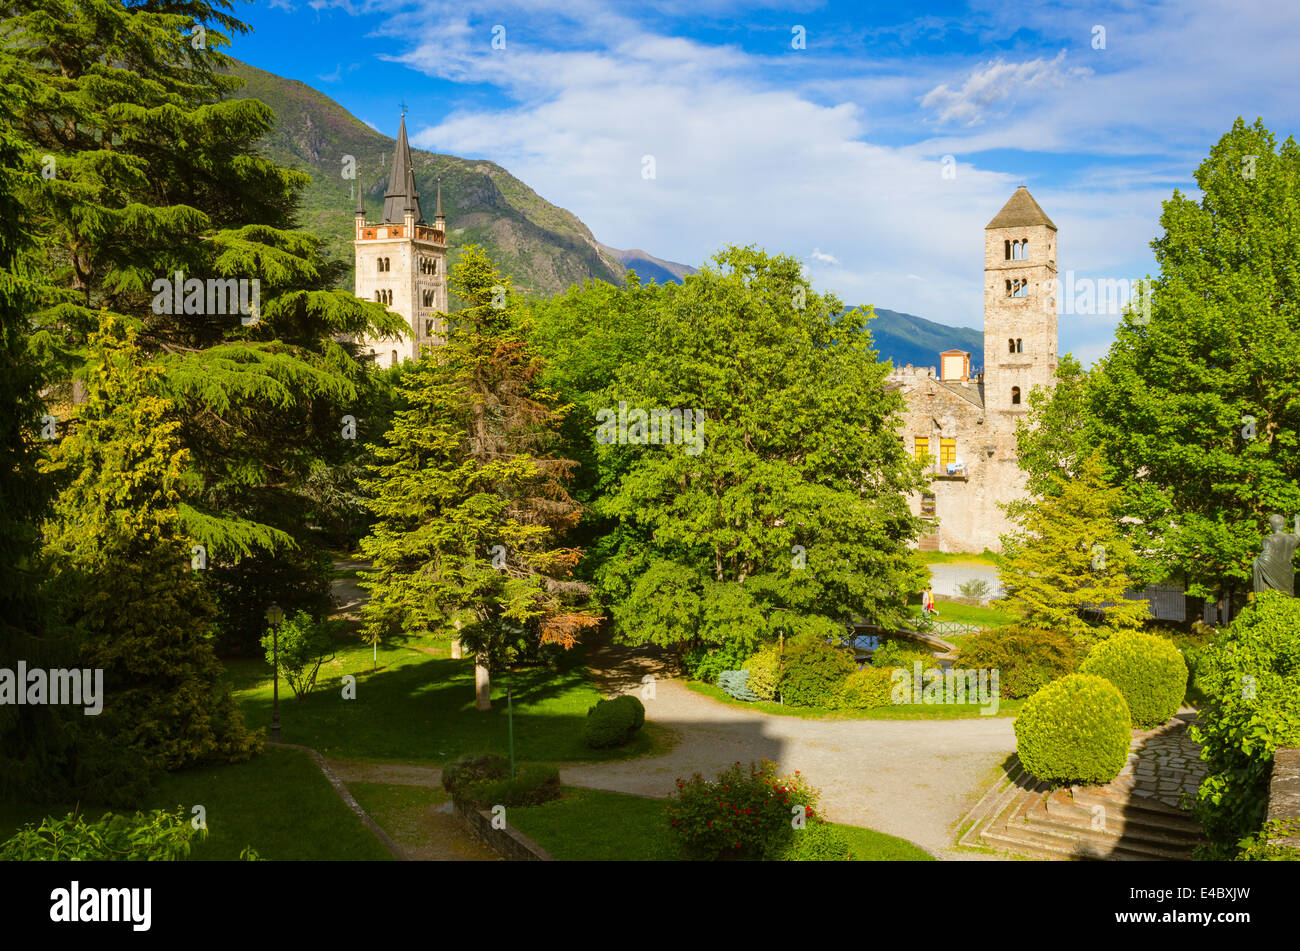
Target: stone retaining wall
column 509, row 842
column 1284, row 793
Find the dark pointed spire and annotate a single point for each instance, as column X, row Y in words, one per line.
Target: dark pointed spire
column 401, row 182
column 361, row 208
column 438, row 214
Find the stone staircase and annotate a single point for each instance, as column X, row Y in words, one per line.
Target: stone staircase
column 1136, row 817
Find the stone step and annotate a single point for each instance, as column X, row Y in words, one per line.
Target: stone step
column 1127, row 802
column 1060, row 806
column 1023, row 826
column 1172, row 846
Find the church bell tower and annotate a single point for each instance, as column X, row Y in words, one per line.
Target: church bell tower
column 401, row 261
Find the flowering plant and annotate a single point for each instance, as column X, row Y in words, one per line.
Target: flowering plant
column 748, row 812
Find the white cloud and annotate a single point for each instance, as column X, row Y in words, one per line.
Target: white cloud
column 818, row 255
column 993, row 82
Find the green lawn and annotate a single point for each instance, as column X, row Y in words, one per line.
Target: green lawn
column 910, row 711
column 279, row 803
column 991, row 616
column 986, row 557
column 598, row 826
column 419, row 707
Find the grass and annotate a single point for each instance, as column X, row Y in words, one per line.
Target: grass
column 990, row 616
column 592, row 825
column 418, row 707
column 910, row 711
column 279, row 803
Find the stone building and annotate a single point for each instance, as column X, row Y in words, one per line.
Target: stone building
column 963, row 422
column 401, row 261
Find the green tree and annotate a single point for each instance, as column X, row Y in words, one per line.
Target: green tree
column 1198, row 408
column 784, row 508
column 120, row 562
column 468, row 500
column 149, row 169
column 1069, row 557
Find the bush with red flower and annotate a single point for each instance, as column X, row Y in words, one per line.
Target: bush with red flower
column 747, row 813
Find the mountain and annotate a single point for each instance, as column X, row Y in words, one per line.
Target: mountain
column 648, row 267
column 906, row 338
column 542, row 247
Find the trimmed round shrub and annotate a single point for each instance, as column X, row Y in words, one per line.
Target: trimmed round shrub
column 1075, row 730
column 532, row 785
column 819, row 842
column 637, row 708
column 473, row 768
column 1026, row 659
column 1148, row 670
column 764, row 670
column 866, row 689
column 813, row 669
column 611, row 723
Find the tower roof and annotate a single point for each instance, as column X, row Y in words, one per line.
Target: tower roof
column 1020, row 211
column 401, row 192
column 438, row 213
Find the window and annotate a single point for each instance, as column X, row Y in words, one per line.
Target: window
column 1007, row 245
column 394, row 363
column 1011, row 346
column 428, row 328
column 1015, row 396
column 922, row 447
column 1020, row 345
column 947, row 451
column 927, row 504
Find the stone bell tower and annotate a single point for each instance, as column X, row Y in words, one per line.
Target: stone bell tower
column 1019, row 308
column 401, row 261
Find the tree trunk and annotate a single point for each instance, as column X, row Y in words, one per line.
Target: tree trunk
column 482, row 685
column 456, row 652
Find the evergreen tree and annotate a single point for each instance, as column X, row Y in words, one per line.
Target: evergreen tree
column 148, row 169
column 120, row 563
column 468, row 500
column 784, row 508
column 1069, row 558
column 30, row 738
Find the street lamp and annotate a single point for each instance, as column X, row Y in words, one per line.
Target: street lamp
column 274, row 615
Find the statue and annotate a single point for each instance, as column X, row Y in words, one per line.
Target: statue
column 1273, row 564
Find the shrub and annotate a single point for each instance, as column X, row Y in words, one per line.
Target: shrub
column 1075, row 730
column 812, row 672
column 736, row 683
column 473, row 768
column 705, row 663
column 532, row 785
column 1148, row 670
column 975, row 588
column 303, row 645
column 865, row 689
column 764, row 670
column 744, row 814
column 157, row 836
column 637, row 708
column 1026, row 658
column 1252, row 686
column 612, row 722
column 819, row 841
column 897, row 652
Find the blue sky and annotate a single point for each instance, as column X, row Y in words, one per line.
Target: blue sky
column 833, row 153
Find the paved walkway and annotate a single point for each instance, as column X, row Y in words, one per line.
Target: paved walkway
column 1164, row 763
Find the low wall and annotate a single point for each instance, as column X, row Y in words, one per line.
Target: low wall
column 509, row 842
column 1284, row 794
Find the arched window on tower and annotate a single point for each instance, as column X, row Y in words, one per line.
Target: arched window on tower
column 1011, row 346
column 1015, row 396
column 1024, row 248
column 1020, row 345
column 394, row 363
column 1007, row 245
column 1009, row 289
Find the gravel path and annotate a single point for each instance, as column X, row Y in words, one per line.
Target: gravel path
column 911, row 778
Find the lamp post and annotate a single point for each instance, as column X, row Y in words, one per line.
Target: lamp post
column 274, row 615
